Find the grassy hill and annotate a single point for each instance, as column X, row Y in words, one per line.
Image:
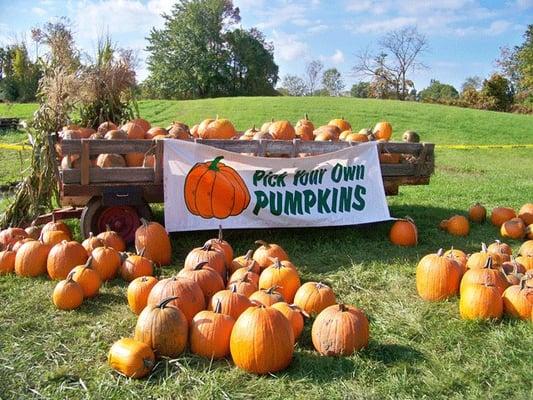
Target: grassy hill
column 417, row 349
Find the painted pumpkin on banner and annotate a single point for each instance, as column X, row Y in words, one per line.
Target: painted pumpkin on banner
column 214, row 190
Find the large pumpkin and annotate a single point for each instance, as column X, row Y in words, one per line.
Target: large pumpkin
column 262, row 341
column 518, row 301
column 286, row 278
column 210, row 333
column 214, row 190
column 514, row 229
column 244, row 285
column 152, row 238
column 138, row 291
column 31, row 259
column 267, row 251
column 501, row 214
column 106, row 261
column 231, row 302
column 295, row 316
column 486, row 274
column 214, row 258
column 136, row 265
column 164, row 328
column 220, row 128
column 207, row 278
column 134, row 130
column 437, row 277
column 189, row 297
column 382, row 130
column 223, row 246
column 281, row 130
column 404, row 233
column 68, row 294
column 339, row 330
column 63, row 257
column 131, row 358
column 267, row 297
column 87, row 278
column 341, row 123
column 313, row 297
column 112, row 239
column 481, row 301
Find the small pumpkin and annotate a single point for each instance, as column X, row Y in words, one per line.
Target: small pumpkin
column 87, row 278
column 134, row 130
column 295, row 316
column 282, row 130
column 223, row 246
column 513, row 266
column 245, row 261
column 106, row 261
column 68, row 294
column 18, row 244
column 518, row 301
column 486, row 274
column 136, row 265
column 477, row 213
column 244, row 285
column 327, row 132
column 313, row 297
column 262, row 341
column 11, row 235
column 514, row 229
column 7, row 261
column 340, row 330
column 116, row 134
column 164, row 328
column 526, row 213
column 91, row 243
column 341, row 123
column 131, row 358
column 458, row 225
column 189, row 297
column 155, row 132
column 56, row 225
column 231, row 302
column 481, row 301
column 138, row 292
column 382, row 130
column 104, row 127
column 110, row 161
column 51, row 238
column 285, row 278
column 479, row 259
column 245, row 272
column 220, row 128
column 179, row 130
column 404, row 233
column 144, row 124
column 500, row 215
column 63, row 257
column 266, row 125
column 411, row 137
column 458, row 256
column 266, row 251
column 153, row 238
column 112, row 239
column 202, row 127
column 356, row 137
column 437, row 277
column 304, row 129
column 526, row 249
column 31, row 258
column 500, row 248
column 207, row 278
column 209, row 254
column 33, row 231
column 210, row 333
column 267, row 297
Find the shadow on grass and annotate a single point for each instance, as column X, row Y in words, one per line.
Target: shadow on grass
column 392, row 353
column 101, row 303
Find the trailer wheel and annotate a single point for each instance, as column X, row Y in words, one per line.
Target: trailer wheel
column 122, row 219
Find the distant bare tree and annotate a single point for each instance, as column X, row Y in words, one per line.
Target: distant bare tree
column 294, row 85
column 313, row 71
column 399, row 53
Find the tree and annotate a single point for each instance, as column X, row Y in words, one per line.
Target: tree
column 501, row 90
column 197, row 54
column 472, row 82
column 361, row 90
column 19, row 76
column 399, row 53
column 438, row 92
column 294, row 85
column 332, row 82
column 313, row 69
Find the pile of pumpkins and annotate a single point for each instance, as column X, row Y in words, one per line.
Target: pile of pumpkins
column 219, row 128
column 251, row 307
column 490, row 282
column 81, row 268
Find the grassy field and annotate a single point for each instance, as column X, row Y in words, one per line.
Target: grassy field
column 417, row 349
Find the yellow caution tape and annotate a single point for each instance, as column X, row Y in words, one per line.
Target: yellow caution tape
column 483, row 146
column 17, row 147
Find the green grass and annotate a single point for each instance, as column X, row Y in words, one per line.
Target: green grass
column 417, row 349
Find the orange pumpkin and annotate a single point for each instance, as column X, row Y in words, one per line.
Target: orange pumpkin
column 63, row 257
column 110, row 161
column 31, row 259
column 138, row 291
column 477, row 213
column 500, row 215
column 189, row 296
column 202, row 128
column 164, row 328
column 486, row 274
column 340, row 330
column 91, row 243
column 87, row 278
column 341, row 123
column 458, row 256
column 207, row 253
column 514, row 229
column 207, row 278
column 304, row 129
column 356, row 137
column 51, row 238
column 285, row 278
column 518, row 301
column 144, row 124
column 56, row 225
column 154, row 132
column 134, row 159
column 526, row 249
column 244, row 285
column 179, row 130
column 11, row 235
column 134, row 130
column 106, row 261
column 526, row 261
column 480, row 259
column 266, row 297
column 224, row 247
column 68, row 294
column 245, row 272
column 220, row 128
column 153, row 239
column 458, row 225
column 131, row 358
column 295, row 316
column 481, row 301
column 112, row 239
column 116, row 134
column 33, row 231
column 18, row 244
column 500, row 248
column 267, row 251
column 437, row 277
column 210, row 333
column 404, row 233
column 526, row 213
column 262, row 341
column 104, row 127
column 313, row 297
column 245, row 261
column 231, row 302
column 7, row 261
column 382, row 130
column 134, row 266
column 282, row 130
column 327, row 132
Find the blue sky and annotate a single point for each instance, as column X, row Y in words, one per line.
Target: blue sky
column 464, row 35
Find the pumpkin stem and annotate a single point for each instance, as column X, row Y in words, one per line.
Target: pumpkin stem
column 523, row 283
column 141, row 253
column 320, row 285
column 218, row 307
column 89, row 262
column 272, row 289
column 249, row 255
column 342, row 307
column 262, row 243
column 296, row 308
column 441, row 252
column 207, row 246
column 245, row 278
column 220, row 232
column 163, row 303
column 200, row 265
column 484, row 248
column 233, row 288
column 488, row 263
column 306, row 117
column 214, row 164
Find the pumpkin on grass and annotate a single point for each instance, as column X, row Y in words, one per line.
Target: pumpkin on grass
column 164, row 328
column 262, row 341
column 500, row 215
column 206, row 277
column 87, row 278
column 131, row 358
column 210, row 333
column 479, row 259
column 231, row 302
column 295, row 316
column 526, row 249
column 112, row 239
column 514, row 229
column 7, row 261
column 223, row 246
column 498, row 247
column 267, row 297
column 458, row 256
column 340, row 330
column 404, row 232
column 56, row 225
column 313, row 297
column 487, row 273
column 266, row 251
column 526, row 213
column 518, row 300
column 477, row 213
column 63, row 257
column 106, row 261
column 189, row 297
column 244, row 285
column 68, row 294
column 91, row 243
column 31, row 258
column 135, row 266
column 285, row 278
column 153, row 238
column 214, row 258
column 437, row 277
column 248, row 272
column 138, row 292
column 481, row 301
column 245, row 261
column 457, row 225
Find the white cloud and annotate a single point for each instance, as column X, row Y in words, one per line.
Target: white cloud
column 288, row 47
column 384, row 25
column 317, row 28
column 39, row 11
column 338, row 57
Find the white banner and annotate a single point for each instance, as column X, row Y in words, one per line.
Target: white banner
column 205, row 186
